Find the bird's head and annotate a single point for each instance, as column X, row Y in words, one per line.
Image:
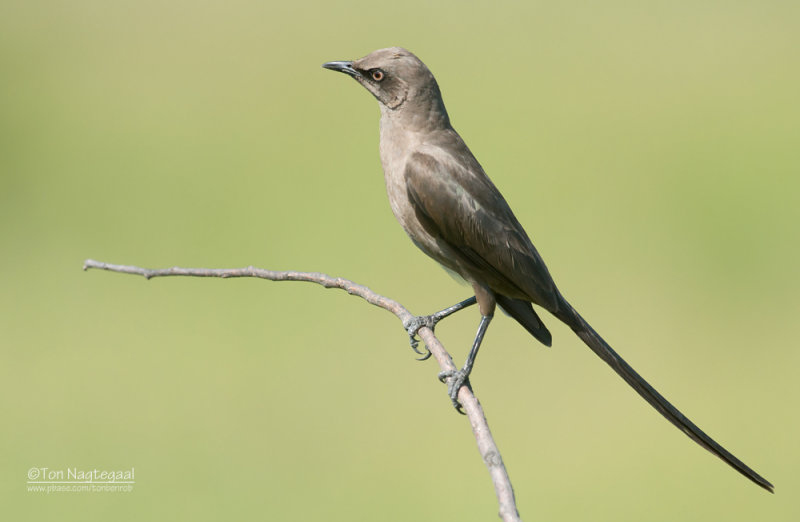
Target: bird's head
column 395, row 77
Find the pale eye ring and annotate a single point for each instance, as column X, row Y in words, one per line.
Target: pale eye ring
column 377, row 75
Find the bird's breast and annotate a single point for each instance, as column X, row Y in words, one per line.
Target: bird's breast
column 396, row 146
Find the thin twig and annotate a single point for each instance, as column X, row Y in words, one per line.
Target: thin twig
column 471, row 405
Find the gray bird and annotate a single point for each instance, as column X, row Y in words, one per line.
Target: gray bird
column 453, row 212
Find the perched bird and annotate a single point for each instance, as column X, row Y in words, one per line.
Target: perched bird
column 453, row 212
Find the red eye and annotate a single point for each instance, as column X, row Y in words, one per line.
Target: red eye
column 377, row 75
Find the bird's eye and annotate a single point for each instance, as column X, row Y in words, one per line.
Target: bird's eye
column 377, row 75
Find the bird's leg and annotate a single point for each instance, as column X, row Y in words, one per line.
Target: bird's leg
column 458, row 378
column 417, row 322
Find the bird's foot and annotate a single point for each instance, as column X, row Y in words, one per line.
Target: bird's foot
column 412, row 327
column 455, row 379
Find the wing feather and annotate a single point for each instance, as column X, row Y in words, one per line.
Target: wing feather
column 462, row 207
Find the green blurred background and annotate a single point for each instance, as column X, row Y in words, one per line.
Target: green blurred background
column 650, row 149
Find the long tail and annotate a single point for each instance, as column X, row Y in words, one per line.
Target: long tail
column 572, row 318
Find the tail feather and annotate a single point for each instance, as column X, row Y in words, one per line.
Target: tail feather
column 523, row 313
column 570, row 316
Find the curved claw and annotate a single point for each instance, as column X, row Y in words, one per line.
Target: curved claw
column 455, row 379
column 426, row 356
column 414, row 343
column 412, row 327
column 446, row 374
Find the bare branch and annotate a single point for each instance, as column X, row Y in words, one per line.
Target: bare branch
column 480, row 428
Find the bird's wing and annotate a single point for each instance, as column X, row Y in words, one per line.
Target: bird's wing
column 455, row 200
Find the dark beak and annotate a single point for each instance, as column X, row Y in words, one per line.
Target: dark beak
column 345, row 67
